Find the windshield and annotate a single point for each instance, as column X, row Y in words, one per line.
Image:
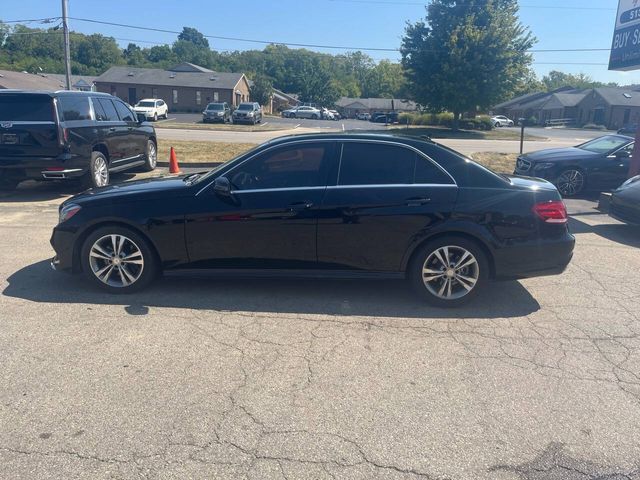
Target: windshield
column 604, row 144
column 215, row 106
column 146, row 104
column 245, row 106
column 211, row 173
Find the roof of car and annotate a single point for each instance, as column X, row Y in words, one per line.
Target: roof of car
column 54, row 94
column 406, row 139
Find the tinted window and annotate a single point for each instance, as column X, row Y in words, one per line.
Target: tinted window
column 26, row 108
column 376, row 164
column 108, row 109
column 101, row 116
column 295, row 166
column 427, row 172
column 74, row 108
column 123, row 112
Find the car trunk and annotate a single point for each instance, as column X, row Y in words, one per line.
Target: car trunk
column 28, row 127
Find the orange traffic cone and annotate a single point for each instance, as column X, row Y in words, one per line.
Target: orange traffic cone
column 173, row 162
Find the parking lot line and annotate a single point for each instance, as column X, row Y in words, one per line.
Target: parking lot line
column 165, row 120
column 265, row 124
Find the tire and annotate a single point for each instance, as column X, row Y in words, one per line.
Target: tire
column 571, row 182
column 98, row 175
column 151, row 157
column 8, row 182
column 450, row 287
column 315, row 117
column 292, row 115
column 114, row 273
column 155, row 117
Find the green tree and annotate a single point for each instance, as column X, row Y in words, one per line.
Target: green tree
column 555, row 79
column 186, row 51
column 385, row 80
column 466, row 55
column 192, row 35
column 262, row 89
column 134, row 56
column 160, row 55
column 94, row 54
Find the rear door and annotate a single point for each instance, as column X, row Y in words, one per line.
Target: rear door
column 28, row 128
column 110, row 128
column 386, row 195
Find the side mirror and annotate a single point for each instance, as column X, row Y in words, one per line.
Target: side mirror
column 622, row 154
column 222, row 186
column 141, row 117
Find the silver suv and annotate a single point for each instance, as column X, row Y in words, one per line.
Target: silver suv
column 248, row 112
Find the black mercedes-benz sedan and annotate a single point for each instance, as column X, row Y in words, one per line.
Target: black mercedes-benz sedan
column 625, row 202
column 599, row 164
column 344, row 205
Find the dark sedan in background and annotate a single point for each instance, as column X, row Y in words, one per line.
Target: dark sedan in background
column 346, row 206
column 599, row 164
column 625, row 202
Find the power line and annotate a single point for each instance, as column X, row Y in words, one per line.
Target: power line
column 31, row 20
column 542, row 7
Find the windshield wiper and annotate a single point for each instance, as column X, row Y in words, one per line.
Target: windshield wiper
column 191, row 178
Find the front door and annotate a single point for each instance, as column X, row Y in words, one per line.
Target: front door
column 135, row 140
column 385, row 197
column 133, row 99
column 270, row 219
column 614, row 171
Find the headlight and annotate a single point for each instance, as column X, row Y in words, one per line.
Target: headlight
column 630, row 181
column 250, row 114
column 68, row 211
column 541, row 166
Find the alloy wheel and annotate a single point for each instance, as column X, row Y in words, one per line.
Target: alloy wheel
column 100, row 172
column 570, row 182
column 152, row 155
column 116, row 261
column 450, row 272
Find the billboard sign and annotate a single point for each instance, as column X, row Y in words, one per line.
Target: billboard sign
column 625, row 48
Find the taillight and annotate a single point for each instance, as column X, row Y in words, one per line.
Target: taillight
column 553, row 211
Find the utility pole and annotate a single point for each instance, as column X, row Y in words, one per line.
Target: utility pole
column 67, row 51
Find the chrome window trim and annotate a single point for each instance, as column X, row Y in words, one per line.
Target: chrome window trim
column 282, row 189
column 393, row 185
column 340, row 140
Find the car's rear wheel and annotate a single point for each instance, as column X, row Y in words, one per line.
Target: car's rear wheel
column 292, row 115
column 449, row 271
column 8, row 182
column 155, row 117
column 98, row 175
column 118, row 260
column 151, row 156
column 570, row 182
column 315, row 117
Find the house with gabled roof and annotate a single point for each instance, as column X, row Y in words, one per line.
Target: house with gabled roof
column 185, row 87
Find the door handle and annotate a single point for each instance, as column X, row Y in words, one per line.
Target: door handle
column 417, row 201
column 300, row 205
column 112, row 129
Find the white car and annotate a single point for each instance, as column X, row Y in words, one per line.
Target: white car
column 152, row 108
column 363, row 116
column 501, row 121
column 303, row 112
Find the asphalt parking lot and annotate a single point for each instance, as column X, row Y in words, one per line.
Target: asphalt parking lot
column 539, row 379
column 349, row 124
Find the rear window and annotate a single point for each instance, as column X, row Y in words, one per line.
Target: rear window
column 26, row 108
column 74, row 108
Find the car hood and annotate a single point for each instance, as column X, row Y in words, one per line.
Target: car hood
column 559, row 154
column 146, row 189
column 143, row 109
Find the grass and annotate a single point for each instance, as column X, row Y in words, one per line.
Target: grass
column 223, row 127
column 443, row 132
column 498, row 162
column 201, row 152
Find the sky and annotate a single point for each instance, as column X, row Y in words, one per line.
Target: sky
column 374, row 24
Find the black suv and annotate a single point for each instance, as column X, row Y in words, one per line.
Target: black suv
column 71, row 135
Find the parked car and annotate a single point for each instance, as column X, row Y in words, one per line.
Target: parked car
column 217, row 112
column 384, row 117
column 303, row 112
column 71, row 135
column 152, row 108
column 247, row 112
column 327, row 114
column 629, row 129
column 363, row 116
column 599, row 164
column 336, row 114
column 625, row 202
column 501, row 121
column 323, row 205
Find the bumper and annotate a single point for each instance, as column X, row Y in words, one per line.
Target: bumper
column 534, row 260
column 43, row 168
column 63, row 242
column 213, row 119
column 243, row 119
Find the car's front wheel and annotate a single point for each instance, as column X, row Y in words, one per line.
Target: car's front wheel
column 118, row 260
column 98, row 175
column 449, row 271
column 151, row 156
column 570, row 182
column 155, row 117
